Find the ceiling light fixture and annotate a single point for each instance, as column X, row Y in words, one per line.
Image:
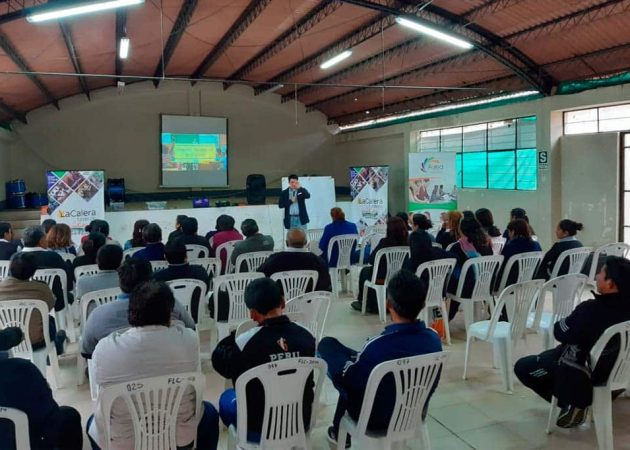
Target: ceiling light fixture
column 429, row 31
column 335, row 59
column 274, row 88
column 69, row 10
column 425, row 112
column 123, row 48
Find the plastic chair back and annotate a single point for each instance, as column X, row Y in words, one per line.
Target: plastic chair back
column 284, row 383
column 313, row 236
column 497, row 245
column 20, row 424
column 517, row 300
column 314, row 307
column 158, row 265
column 296, row 282
column 130, row 252
column 196, row 251
column 67, row 257
column 436, row 245
column 372, row 239
column 484, row 268
column 4, row 269
column 414, row 378
column 48, row 276
column 251, row 260
column 81, row 271
column 345, row 243
column 153, row 405
column 450, row 246
column 619, row 377
column 439, row 273
column 566, row 291
column 93, row 299
column 226, row 248
column 527, row 264
column 184, row 289
column 235, row 285
column 212, row 265
column 615, row 249
column 394, row 259
column 576, row 258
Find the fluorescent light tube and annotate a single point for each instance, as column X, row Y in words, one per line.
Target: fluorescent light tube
column 434, row 33
column 84, row 8
column 335, row 59
column 124, row 48
column 274, row 88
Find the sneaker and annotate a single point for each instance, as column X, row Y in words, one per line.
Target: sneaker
column 571, row 417
column 332, row 438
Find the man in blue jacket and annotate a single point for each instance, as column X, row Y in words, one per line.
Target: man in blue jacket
column 349, row 370
column 293, row 201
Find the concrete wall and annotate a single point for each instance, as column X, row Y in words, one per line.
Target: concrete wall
column 120, row 134
column 6, row 140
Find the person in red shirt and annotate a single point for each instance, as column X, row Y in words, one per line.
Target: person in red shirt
column 225, row 233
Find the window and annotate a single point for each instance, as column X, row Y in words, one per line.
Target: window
column 495, row 155
column 626, row 188
column 596, row 120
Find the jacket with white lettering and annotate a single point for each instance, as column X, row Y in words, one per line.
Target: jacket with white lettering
column 273, row 340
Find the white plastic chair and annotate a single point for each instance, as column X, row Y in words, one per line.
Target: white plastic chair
column 414, row 378
column 436, row 245
column 619, row 378
column 227, row 248
column 485, row 269
column 131, row 251
column 284, row 383
column 67, row 257
column 89, row 269
column 252, row 261
column 566, row 292
column 158, row 265
column 527, row 264
column 517, row 300
column 65, row 317
column 439, row 273
column 313, row 237
column 212, row 265
column 371, row 240
column 344, row 244
column 17, row 313
column 235, row 285
column 183, row 290
column 450, row 246
column 394, row 259
column 576, row 257
column 196, row 251
column 497, row 244
column 4, row 269
column 296, row 282
column 314, row 307
column 153, row 405
column 20, row 424
column 620, row 249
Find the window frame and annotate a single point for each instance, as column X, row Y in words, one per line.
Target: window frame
column 597, row 120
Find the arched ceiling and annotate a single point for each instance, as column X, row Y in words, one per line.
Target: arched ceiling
column 519, row 45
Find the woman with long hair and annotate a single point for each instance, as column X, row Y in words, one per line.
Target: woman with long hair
column 396, row 235
column 449, row 232
column 137, row 240
column 485, row 219
column 59, row 239
column 565, row 232
column 520, row 241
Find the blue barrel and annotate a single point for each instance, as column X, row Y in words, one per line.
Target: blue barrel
column 36, row 200
column 15, row 187
column 17, row 201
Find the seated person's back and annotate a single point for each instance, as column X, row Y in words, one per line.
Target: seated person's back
column 189, row 228
column 154, row 248
column 7, row 246
column 253, row 242
column 108, row 259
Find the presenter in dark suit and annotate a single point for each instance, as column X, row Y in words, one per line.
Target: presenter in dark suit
column 293, row 199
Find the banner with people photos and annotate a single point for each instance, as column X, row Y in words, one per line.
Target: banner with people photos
column 76, row 197
column 368, row 188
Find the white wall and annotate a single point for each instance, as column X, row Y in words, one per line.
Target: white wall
column 120, row 134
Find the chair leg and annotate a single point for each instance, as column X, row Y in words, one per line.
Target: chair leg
column 552, row 415
column 469, row 312
column 602, row 415
column 54, row 367
column 342, row 433
column 505, row 353
column 81, row 366
column 364, row 299
column 447, row 328
column 548, row 339
column 424, row 436
column 380, row 300
column 468, row 339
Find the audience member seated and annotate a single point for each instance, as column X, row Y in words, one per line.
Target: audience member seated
column 473, row 242
column 564, row 371
column 106, row 319
column 19, row 286
column 7, row 246
column 405, row 217
column 179, row 268
column 449, row 232
column 108, row 259
column 519, row 213
column 178, row 227
column 100, row 226
column 90, row 247
column 275, row 338
column 59, row 240
column 349, row 370
column 23, row 387
column 225, row 233
column 48, row 224
column 520, row 241
column 337, row 227
column 565, row 232
column 34, row 242
column 297, row 257
column 137, row 240
column 150, row 348
column 189, row 228
column 485, row 219
column 254, row 240
column 396, row 235
column 421, row 248
column 154, row 248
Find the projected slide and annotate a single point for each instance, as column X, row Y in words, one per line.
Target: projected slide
column 194, row 151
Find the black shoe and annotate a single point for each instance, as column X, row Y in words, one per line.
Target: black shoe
column 332, row 438
column 356, row 305
column 60, row 342
column 571, row 417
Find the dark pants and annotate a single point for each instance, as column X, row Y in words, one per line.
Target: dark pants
column 52, row 332
column 366, row 275
column 227, row 412
column 207, row 430
column 336, row 356
column 64, row 431
column 224, row 306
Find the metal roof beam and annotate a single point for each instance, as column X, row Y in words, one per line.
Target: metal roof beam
column 241, row 24
column 19, row 61
column 72, row 52
column 121, row 27
column 13, row 113
column 179, row 27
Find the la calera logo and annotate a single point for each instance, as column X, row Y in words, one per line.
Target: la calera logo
column 77, row 213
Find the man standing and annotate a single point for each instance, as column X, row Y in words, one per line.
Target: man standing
column 293, row 200
column 564, row 371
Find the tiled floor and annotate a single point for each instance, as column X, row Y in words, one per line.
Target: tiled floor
column 463, row 414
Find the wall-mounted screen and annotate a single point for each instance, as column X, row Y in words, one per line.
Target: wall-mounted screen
column 194, row 151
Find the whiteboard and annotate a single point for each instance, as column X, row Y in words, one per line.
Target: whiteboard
column 322, row 190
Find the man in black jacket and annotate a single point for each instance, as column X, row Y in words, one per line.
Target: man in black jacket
column 564, row 372
column 293, row 200
column 190, row 227
column 275, row 338
column 7, row 246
